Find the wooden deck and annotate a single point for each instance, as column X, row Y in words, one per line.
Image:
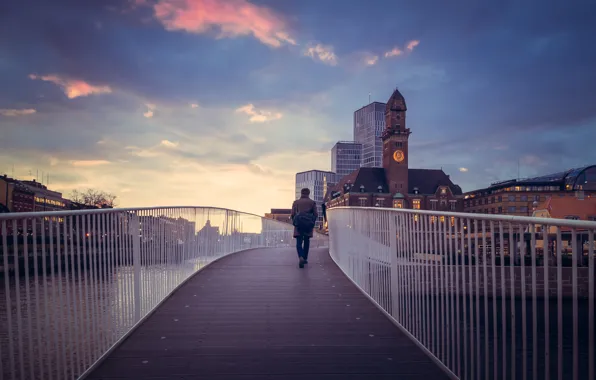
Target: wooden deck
column 256, row 315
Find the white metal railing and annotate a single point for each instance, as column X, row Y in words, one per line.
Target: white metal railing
column 487, row 296
column 73, row 284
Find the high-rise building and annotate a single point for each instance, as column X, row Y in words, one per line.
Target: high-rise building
column 317, row 181
column 369, row 123
column 345, row 157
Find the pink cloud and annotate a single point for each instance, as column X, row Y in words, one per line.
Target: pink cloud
column 73, row 88
column 17, row 112
column 323, row 53
column 412, row 44
column 232, row 17
column 371, row 60
column 393, row 52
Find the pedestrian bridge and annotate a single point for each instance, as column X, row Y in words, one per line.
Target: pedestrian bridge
column 207, row 293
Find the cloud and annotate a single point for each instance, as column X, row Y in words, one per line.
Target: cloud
column 194, row 105
column 17, row 112
column 393, row 52
column 259, row 116
column 169, row 144
column 86, row 163
column 73, row 88
column 150, row 109
column 463, row 170
column 323, row 53
column 371, row 60
column 232, row 17
column 412, row 44
column 397, row 51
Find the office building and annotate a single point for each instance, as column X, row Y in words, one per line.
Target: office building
column 345, row 157
column 317, row 181
column 369, row 123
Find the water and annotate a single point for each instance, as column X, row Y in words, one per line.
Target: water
column 57, row 325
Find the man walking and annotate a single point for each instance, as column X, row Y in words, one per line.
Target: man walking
column 304, row 215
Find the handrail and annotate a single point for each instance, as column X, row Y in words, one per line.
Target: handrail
column 486, row 217
column 485, row 296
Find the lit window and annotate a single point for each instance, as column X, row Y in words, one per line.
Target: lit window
column 416, row 204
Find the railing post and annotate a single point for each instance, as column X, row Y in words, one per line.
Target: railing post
column 136, row 264
column 394, row 264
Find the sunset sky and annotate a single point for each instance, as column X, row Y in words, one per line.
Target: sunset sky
column 221, row 102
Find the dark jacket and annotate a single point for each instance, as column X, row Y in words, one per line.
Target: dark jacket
column 304, row 204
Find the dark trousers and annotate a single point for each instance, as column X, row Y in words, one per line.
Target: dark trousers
column 302, row 246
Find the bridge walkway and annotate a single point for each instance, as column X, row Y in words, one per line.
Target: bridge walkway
column 256, row 315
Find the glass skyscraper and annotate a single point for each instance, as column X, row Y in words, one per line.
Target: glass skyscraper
column 345, row 157
column 369, row 123
column 317, row 181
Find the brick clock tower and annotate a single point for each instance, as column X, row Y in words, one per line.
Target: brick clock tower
column 395, row 144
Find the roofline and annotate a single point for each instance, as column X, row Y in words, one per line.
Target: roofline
column 369, row 105
column 531, row 181
column 347, row 142
column 316, row 170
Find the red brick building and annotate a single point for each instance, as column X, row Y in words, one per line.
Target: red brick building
column 395, row 185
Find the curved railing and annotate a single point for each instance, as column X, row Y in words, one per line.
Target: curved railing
column 75, row 283
column 486, row 296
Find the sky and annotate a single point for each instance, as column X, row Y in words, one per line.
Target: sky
column 221, row 102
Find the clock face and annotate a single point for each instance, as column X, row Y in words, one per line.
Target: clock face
column 398, row 155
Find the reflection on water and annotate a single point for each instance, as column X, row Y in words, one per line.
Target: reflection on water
column 60, row 324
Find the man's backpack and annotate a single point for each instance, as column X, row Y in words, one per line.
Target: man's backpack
column 304, row 222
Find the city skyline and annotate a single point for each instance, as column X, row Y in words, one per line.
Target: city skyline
column 145, row 100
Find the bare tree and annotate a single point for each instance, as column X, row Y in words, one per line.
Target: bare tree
column 91, row 197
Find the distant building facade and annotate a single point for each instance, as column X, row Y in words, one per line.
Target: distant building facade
column 14, row 196
column 571, row 208
column 45, row 200
column 280, row 214
column 318, row 182
column 394, row 184
column 520, row 197
column 346, row 156
column 369, row 123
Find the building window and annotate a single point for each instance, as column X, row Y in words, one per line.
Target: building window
column 524, row 198
column 500, row 210
column 592, row 218
column 433, row 204
column 453, row 206
column 537, row 198
column 381, row 202
column 500, row 198
column 511, row 209
column 512, row 198
column 362, row 202
column 523, row 209
column 443, row 203
column 416, row 204
column 398, row 204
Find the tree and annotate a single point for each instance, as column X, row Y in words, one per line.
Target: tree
column 91, row 197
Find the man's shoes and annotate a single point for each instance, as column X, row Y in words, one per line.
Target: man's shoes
column 301, row 264
column 305, row 261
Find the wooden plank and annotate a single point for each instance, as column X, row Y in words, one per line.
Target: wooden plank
column 256, row 315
